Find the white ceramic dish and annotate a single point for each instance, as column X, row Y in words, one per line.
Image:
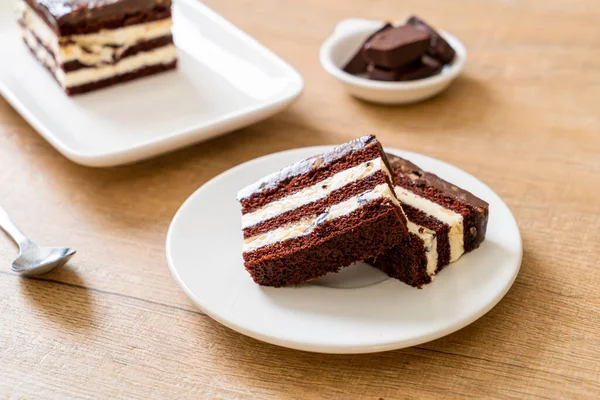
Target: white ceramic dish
column 225, row 80
column 347, row 38
column 358, row 310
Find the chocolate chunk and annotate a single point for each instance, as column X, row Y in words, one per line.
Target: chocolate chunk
column 426, row 67
column 397, row 46
column 438, row 47
column 357, row 64
column 381, row 74
column 423, row 68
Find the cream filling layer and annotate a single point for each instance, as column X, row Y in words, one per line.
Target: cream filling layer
column 91, row 49
column 161, row 55
column 429, row 239
column 37, row 26
column 307, row 225
column 40, row 52
column 449, row 217
column 313, row 193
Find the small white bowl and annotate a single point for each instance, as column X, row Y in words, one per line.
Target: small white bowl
column 347, row 38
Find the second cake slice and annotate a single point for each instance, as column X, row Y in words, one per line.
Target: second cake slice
column 321, row 214
column 444, row 222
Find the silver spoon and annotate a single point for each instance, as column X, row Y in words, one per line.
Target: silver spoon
column 33, row 259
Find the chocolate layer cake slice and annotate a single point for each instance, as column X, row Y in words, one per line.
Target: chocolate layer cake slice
column 444, row 221
column 321, row 214
column 91, row 44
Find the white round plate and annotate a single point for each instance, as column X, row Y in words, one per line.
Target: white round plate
column 359, row 310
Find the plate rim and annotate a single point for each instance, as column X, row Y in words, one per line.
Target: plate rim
column 342, row 349
column 175, row 139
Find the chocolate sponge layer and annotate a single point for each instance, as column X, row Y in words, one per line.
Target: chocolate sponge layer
column 365, row 233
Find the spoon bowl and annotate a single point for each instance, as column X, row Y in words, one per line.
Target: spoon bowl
column 35, row 260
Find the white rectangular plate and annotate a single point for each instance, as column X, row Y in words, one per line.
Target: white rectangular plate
column 225, row 80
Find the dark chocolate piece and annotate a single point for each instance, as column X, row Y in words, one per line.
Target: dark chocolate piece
column 423, row 68
column 397, row 47
column 357, row 64
column 381, row 74
column 426, row 67
column 438, row 47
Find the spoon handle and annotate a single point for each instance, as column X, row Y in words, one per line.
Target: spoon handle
column 9, row 227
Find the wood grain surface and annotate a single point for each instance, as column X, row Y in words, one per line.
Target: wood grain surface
column 524, row 118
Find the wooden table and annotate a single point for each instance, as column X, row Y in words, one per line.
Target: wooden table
column 524, row 118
